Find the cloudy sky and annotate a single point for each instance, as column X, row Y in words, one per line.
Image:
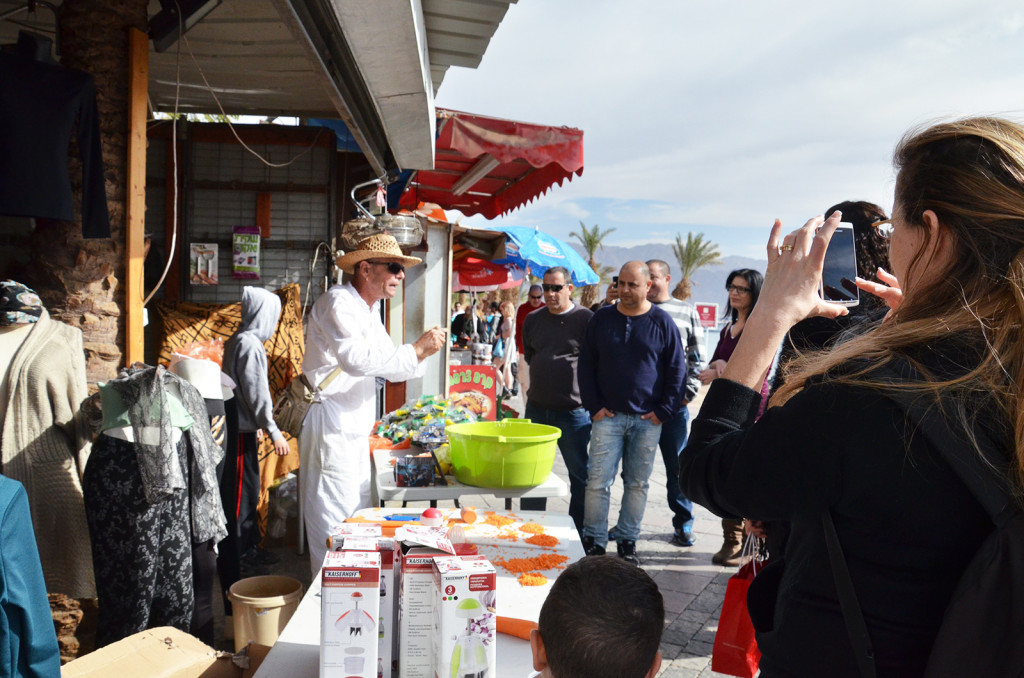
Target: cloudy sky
column 717, row 117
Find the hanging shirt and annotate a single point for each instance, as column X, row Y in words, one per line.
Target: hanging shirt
column 39, row 105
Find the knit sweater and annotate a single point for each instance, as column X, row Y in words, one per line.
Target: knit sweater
column 45, row 446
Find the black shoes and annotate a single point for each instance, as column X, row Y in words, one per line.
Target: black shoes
column 627, row 551
column 590, row 548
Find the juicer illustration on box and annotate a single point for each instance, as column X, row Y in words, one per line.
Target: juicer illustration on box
column 469, row 658
column 464, row 618
column 354, row 620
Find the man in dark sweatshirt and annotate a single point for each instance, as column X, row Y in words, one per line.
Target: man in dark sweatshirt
column 631, row 371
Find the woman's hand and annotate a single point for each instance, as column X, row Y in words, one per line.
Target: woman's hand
column 714, row 371
column 792, row 279
column 889, row 292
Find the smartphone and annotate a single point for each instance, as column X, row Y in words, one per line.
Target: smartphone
column 615, row 281
column 840, row 268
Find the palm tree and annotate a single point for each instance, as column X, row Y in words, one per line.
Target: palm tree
column 693, row 255
column 591, row 239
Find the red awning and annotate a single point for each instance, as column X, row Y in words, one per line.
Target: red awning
column 490, row 166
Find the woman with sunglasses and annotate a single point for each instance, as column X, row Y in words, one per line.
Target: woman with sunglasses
column 843, row 444
column 744, row 287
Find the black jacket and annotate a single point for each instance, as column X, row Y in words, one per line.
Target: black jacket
column 907, row 524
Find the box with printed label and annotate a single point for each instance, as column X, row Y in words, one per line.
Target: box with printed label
column 464, row 617
column 336, row 535
column 349, row 615
column 385, row 546
column 415, row 611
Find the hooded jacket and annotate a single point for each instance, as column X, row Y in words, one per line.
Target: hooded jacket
column 245, row 361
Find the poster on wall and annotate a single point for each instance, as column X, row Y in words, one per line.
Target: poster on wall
column 245, row 259
column 473, row 387
column 202, row 263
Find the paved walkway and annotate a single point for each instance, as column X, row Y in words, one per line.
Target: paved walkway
column 691, row 585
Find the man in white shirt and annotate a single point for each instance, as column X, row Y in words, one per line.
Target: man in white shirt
column 345, row 330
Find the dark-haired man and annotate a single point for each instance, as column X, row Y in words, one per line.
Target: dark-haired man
column 551, row 342
column 674, row 431
column 602, row 617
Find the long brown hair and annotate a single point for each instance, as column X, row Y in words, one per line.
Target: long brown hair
column 970, row 173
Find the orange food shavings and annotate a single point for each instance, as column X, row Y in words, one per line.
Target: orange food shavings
column 542, row 540
column 532, row 528
column 532, row 579
column 548, row 561
column 498, row 521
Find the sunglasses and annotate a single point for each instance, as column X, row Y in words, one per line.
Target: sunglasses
column 737, row 289
column 552, row 288
column 539, row 296
column 394, row 268
column 883, row 228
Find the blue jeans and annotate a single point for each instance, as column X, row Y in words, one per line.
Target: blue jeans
column 575, row 427
column 673, row 440
column 633, row 440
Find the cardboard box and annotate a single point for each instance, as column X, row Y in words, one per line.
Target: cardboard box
column 387, row 645
column 336, row 535
column 415, row 611
column 350, row 615
column 465, row 625
column 162, row 652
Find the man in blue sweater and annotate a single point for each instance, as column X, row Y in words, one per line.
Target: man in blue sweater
column 631, row 372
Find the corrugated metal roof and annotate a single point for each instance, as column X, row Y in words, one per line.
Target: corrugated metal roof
column 260, row 60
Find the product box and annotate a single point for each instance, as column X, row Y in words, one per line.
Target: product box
column 415, row 611
column 464, row 634
column 386, row 643
column 336, row 535
column 350, row 615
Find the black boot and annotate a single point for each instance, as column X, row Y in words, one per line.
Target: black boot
column 590, row 548
column 627, row 551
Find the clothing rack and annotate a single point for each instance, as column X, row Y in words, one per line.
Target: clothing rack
column 30, row 6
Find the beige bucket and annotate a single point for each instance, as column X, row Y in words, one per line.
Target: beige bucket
column 262, row 607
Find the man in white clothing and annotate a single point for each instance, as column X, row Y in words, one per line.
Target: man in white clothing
column 345, row 330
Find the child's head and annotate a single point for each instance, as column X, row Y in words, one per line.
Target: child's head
column 603, row 616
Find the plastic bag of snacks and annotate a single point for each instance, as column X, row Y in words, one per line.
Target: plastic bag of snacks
column 407, row 420
column 209, row 349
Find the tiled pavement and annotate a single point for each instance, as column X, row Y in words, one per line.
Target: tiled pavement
column 691, row 585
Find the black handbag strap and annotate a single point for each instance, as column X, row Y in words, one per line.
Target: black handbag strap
column 856, row 629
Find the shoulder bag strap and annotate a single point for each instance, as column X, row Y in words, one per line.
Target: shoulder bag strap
column 329, row 378
column 856, row 629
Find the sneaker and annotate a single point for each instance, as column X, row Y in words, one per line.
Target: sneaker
column 627, row 551
column 590, row 548
column 683, row 538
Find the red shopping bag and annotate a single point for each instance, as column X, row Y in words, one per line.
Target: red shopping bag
column 735, row 651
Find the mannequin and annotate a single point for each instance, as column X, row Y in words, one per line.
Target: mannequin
column 152, row 502
column 44, row 442
column 34, row 46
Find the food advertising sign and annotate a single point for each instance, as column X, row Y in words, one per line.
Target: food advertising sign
column 708, row 314
column 203, row 263
column 245, row 255
column 474, row 387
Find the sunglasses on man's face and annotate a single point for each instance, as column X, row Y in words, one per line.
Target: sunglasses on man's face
column 552, row 288
column 394, row 268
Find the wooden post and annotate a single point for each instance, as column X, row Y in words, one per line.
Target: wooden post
column 263, row 214
column 138, row 69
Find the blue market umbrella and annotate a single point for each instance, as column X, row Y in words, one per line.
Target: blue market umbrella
column 529, row 247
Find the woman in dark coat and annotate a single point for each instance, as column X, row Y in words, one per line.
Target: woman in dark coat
column 836, row 440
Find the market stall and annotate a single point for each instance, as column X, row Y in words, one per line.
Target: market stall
column 531, row 547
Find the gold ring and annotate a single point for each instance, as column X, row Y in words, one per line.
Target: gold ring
column 786, row 248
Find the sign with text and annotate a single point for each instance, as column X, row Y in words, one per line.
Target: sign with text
column 708, row 314
column 245, row 253
column 474, row 387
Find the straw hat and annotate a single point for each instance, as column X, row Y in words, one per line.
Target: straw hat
column 380, row 246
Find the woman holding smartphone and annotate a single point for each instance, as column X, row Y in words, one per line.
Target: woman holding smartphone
column 744, row 287
column 837, row 444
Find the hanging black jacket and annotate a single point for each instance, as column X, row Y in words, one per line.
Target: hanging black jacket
column 39, row 105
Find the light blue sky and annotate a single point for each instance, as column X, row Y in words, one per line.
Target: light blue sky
column 717, row 117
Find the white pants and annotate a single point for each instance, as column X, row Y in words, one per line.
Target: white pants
column 334, row 479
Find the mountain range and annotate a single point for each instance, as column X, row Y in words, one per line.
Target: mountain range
column 708, row 283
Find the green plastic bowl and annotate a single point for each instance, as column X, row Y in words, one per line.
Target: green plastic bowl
column 502, row 454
